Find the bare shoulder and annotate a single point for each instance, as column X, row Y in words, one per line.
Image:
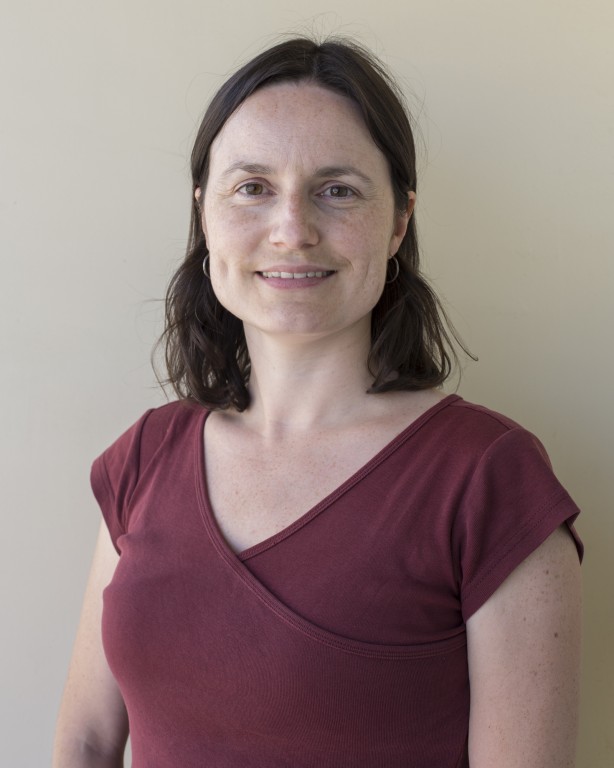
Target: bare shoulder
column 420, row 401
column 400, row 409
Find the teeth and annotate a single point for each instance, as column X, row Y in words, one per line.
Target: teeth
column 295, row 275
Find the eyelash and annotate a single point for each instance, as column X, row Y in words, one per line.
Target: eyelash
column 243, row 188
column 349, row 193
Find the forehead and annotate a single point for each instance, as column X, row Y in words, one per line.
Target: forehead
column 296, row 122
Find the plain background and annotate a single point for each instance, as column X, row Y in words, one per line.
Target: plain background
column 99, row 103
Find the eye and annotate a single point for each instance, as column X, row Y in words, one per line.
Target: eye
column 252, row 189
column 338, row 192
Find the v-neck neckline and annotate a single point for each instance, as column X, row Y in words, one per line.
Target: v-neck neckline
column 208, row 513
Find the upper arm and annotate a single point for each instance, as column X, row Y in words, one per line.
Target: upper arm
column 92, row 714
column 524, row 660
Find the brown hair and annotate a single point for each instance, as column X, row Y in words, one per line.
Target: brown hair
column 411, row 338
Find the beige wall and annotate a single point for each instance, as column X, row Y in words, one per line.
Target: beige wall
column 99, row 102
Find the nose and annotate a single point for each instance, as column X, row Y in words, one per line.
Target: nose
column 293, row 223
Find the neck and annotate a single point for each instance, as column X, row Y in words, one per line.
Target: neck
column 300, row 384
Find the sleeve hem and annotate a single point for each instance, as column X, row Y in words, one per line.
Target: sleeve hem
column 562, row 512
column 104, row 495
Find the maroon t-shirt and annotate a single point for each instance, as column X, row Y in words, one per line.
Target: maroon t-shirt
column 339, row 642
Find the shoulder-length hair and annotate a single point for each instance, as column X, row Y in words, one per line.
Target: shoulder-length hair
column 411, row 338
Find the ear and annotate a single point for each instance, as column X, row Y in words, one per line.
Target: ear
column 401, row 222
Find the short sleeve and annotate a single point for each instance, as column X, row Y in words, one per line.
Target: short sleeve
column 114, row 477
column 512, row 504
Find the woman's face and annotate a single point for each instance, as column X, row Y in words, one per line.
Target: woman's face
column 299, row 214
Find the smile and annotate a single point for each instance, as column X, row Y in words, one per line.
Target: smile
column 296, row 275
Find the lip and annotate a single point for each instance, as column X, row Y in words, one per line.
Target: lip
column 296, row 269
column 309, row 275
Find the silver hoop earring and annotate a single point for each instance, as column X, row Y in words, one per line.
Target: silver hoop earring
column 205, row 260
column 396, row 274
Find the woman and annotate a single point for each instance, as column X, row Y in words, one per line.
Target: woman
column 315, row 557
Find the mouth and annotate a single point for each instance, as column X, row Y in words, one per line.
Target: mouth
column 296, row 275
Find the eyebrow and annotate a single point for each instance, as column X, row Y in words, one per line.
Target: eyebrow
column 343, row 170
column 242, row 165
column 329, row 170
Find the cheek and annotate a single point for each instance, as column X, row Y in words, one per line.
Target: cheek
column 374, row 241
column 370, row 272
column 230, row 234
column 215, row 237
column 377, row 280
